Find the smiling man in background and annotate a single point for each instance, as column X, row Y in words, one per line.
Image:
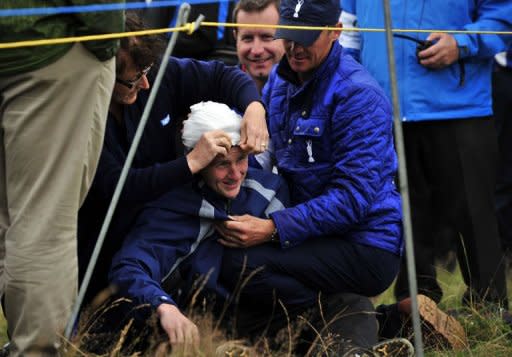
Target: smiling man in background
column 257, row 49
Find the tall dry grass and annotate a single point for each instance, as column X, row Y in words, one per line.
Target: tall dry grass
column 487, row 334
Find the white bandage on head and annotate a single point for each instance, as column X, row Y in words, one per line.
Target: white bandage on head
column 208, row 116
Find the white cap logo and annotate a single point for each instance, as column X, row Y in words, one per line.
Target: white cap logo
column 297, row 8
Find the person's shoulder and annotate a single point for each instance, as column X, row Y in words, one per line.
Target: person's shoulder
column 354, row 74
column 265, row 178
column 355, row 86
column 188, row 192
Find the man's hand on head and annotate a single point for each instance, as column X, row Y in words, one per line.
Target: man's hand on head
column 179, row 328
column 442, row 53
column 254, row 133
column 245, row 231
column 210, row 145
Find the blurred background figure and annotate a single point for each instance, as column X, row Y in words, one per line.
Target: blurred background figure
column 207, row 42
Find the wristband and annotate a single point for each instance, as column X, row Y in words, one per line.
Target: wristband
column 274, row 237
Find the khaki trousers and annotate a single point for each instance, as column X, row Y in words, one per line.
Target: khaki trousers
column 52, row 126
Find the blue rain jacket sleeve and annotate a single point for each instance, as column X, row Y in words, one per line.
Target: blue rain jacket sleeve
column 145, row 258
column 495, row 15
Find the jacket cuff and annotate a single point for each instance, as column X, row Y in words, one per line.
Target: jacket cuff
column 161, row 299
column 288, row 237
column 465, row 45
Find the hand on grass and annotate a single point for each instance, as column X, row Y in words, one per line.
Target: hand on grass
column 177, row 326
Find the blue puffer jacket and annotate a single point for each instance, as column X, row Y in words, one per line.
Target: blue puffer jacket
column 180, row 223
column 433, row 94
column 333, row 143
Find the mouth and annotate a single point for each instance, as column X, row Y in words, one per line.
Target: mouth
column 231, row 185
column 258, row 61
column 298, row 57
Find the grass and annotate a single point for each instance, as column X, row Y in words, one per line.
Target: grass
column 487, row 335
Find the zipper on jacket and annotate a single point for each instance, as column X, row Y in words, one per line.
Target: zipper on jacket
column 228, row 207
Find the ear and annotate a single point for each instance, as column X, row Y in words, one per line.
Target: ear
column 234, row 32
column 334, row 34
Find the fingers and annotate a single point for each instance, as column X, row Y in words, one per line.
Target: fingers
column 233, row 228
column 443, row 53
column 434, row 36
column 230, row 244
column 217, row 139
column 210, row 145
column 178, row 327
column 434, row 61
column 228, row 236
column 185, row 333
column 177, row 336
column 255, row 144
column 254, row 134
column 194, row 335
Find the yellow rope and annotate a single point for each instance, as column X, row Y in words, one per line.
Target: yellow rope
column 56, row 41
column 190, row 28
column 353, row 29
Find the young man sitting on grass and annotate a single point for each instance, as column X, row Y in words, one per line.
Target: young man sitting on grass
column 177, row 233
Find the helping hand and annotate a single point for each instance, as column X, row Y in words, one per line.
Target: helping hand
column 245, row 231
column 254, row 133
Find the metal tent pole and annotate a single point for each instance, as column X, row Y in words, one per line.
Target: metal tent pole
column 404, row 185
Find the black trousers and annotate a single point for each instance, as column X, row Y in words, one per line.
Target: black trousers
column 348, row 318
column 451, row 168
column 296, row 275
column 502, row 105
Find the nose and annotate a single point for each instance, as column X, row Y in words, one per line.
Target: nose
column 293, row 46
column 257, row 47
column 235, row 173
column 144, row 82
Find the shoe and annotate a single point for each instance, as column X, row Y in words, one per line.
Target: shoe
column 438, row 328
column 395, row 347
column 358, row 352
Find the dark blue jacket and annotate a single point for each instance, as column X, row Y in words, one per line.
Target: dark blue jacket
column 333, row 143
column 158, row 165
column 171, row 228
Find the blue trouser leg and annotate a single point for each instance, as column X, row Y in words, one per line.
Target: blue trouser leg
column 296, row 275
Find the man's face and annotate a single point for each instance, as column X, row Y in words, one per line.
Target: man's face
column 304, row 60
column 131, row 77
column 225, row 174
column 256, row 48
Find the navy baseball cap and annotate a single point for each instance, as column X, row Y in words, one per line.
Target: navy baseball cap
column 306, row 13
